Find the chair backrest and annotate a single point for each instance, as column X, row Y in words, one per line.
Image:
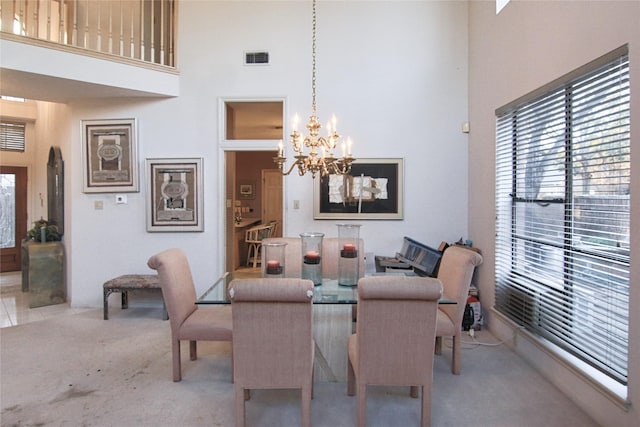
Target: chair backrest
column 330, row 256
column 258, row 233
column 396, row 329
column 274, row 228
column 455, row 273
column 176, row 281
column 272, row 335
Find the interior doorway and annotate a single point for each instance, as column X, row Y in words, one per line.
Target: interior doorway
column 254, row 196
column 253, row 185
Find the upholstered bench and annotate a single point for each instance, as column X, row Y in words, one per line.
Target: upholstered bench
column 131, row 282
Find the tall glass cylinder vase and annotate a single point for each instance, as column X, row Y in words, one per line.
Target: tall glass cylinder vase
column 348, row 263
column 273, row 254
column 312, row 256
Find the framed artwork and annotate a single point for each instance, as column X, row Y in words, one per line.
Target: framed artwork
column 372, row 190
column 110, row 156
column 174, row 194
column 247, row 191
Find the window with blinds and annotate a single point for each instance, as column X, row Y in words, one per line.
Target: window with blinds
column 563, row 213
column 12, row 136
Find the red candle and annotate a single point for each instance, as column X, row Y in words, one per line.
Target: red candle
column 273, row 263
column 312, row 254
column 349, row 247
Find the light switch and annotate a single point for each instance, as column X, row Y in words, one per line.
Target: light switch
column 296, row 204
column 98, row 205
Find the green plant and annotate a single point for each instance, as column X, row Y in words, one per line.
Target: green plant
column 50, row 232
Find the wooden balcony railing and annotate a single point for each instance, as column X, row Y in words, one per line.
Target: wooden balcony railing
column 141, row 30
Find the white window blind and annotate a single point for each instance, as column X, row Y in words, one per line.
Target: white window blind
column 12, row 136
column 563, row 213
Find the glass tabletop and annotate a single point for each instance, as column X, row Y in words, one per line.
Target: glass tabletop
column 329, row 292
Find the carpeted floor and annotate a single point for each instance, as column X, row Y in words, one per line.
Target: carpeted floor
column 79, row 370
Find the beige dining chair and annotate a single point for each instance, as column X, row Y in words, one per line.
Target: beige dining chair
column 188, row 321
column 455, row 273
column 273, row 345
column 394, row 339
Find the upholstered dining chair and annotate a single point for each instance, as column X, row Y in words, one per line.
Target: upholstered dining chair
column 188, row 321
column 455, row 273
column 394, row 339
column 273, row 343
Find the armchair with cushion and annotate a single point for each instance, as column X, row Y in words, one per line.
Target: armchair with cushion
column 187, row 320
column 455, row 273
column 273, row 343
column 394, row 339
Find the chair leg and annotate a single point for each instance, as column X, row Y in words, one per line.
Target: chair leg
column 306, row 405
column 239, row 405
column 361, row 414
column 425, row 418
column 193, row 350
column 175, row 351
column 351, row 379
column 249, row 253
column 455, row 355
column 233, row 374
column 256, row 251
column 438, row 349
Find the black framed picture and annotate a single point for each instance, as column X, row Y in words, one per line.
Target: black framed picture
column 372, row 190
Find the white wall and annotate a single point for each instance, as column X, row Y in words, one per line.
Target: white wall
column 394, row 73
column 527, row 45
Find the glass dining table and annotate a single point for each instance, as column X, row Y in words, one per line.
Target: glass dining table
column 330, row 331
column 329, row 292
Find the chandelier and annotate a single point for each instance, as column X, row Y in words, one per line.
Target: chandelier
column 320, row 158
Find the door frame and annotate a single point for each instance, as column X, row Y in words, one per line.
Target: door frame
column 225, row 228
column 224, row 146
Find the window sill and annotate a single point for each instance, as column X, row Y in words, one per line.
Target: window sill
column 612, row 390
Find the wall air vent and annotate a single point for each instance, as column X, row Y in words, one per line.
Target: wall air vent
column 256, row 58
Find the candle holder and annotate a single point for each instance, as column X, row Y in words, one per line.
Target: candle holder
column 348, row 263
column 273, row 255
column 312, row 256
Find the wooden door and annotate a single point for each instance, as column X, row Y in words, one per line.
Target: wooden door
column 13, row 216
column 272, row 198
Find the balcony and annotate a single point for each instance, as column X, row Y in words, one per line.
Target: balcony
column 58, row 50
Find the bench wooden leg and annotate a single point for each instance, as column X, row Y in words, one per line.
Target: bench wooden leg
column 105, row 303
column 125, row 300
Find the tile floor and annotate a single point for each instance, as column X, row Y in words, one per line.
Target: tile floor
column 14, row 304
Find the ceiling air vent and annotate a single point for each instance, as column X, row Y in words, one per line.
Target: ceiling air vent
column 256, row 58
